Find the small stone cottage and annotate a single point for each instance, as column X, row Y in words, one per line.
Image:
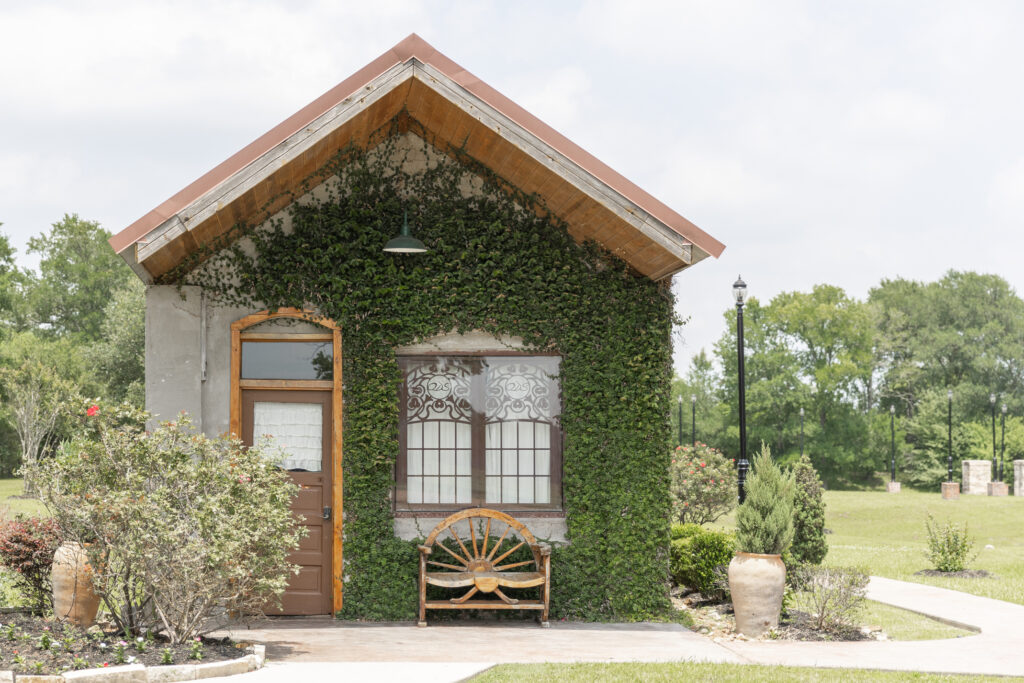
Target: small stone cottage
column 432, row 301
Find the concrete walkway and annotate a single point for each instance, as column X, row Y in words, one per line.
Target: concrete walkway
column 313, row 649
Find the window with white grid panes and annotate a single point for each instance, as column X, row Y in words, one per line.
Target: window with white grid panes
column 480, row 430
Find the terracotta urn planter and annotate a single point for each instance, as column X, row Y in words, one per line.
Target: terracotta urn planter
column 73, row 595
column 757, row 583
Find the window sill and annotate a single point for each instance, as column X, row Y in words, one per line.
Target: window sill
column 517, row 512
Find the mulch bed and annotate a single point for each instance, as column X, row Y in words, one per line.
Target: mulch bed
column 33, row 645
column 715, row 620
column 962, row 574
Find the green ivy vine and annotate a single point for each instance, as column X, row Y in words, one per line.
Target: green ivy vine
column 501, row 263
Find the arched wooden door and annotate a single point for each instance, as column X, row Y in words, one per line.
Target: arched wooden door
column 287, row 386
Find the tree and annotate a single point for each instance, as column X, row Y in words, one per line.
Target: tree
column 120, row 355
column 809, row 546
column 12, row 286
column 37, row 377
column 78, row 273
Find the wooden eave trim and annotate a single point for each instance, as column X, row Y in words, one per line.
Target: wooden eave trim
column 208, row 204
column 555, row 161
column 337, row 427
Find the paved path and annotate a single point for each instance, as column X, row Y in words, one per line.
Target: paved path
column 310, row 650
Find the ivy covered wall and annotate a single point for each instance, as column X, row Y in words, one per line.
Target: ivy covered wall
column 498, row 263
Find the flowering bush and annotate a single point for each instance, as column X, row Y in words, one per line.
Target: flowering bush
column 27, row 545
column 703, row 484
column 181, row 528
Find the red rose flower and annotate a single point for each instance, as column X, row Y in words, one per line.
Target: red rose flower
column 92, row 410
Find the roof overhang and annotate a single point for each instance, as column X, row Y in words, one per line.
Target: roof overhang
column 415, row 87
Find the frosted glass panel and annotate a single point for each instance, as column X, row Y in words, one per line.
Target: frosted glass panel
column 415, row 492
column 297, row 429
column 447, row 489
column 465, row 490
column 543, row 489
column 493, row 494
column 509, row 492
column 525, row 489
column 447, row 462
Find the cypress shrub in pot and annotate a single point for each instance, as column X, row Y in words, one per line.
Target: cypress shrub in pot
column 764, row 529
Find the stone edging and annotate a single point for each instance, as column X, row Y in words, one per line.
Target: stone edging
column 139, row 673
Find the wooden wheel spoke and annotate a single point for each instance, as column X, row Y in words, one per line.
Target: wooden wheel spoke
column 462, row 545
column 465, row 563
column 509, row 551
column 516, row 564
column 470, row 593
column 487, row 533
column 508, row 600
column 472, row 536
column 446, row 566
column 498, row 544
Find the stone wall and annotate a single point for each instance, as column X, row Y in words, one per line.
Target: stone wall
column 976, row 476
column 1018, row 477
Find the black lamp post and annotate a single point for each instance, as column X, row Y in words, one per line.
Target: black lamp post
column 739, row 292
column 892, row 435
column 949, row 459
column 693, row 418
column 1002, row 444
column 995, row 469
column 801, row 431
column 680, row 419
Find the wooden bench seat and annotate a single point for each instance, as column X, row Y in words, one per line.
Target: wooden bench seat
column 478, row 559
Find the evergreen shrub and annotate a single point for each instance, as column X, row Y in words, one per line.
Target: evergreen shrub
column 696, row 560
column 949, row 545
column 809, row 545
column 764, row 522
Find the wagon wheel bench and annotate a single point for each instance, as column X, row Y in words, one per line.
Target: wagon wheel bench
column 476, row 563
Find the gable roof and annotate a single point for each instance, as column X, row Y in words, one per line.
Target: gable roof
column 414, row 81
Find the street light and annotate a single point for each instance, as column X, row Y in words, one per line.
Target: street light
column 739, row 292
column 995, row 469
column 693, row 417
column 680, row 419
column 1002, row 444
column 801, row 431
column 892, row 434
column 949, row 459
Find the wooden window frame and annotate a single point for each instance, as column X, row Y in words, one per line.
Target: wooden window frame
column 332, row 333
column 402, row 508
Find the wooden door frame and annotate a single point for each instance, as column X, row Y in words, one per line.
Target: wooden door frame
column 333, row 334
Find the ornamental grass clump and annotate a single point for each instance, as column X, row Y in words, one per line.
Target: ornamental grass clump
column 809, row 545
column 764, row 522
column 701, row 484
column 182, row 530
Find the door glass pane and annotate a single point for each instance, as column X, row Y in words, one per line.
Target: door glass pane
column 296, row 428
column 287, row 360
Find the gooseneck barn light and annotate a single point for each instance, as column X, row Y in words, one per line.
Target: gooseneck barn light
column 405, row 243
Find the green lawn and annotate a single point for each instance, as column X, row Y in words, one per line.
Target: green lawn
column 11, row 506
column 886, row 533
column 682, row 671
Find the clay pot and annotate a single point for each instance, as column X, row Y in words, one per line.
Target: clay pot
column 73, row 595
column 757, row 583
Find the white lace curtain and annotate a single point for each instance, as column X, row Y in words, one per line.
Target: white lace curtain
column 297, row 429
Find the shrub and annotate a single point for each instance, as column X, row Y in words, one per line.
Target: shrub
column 694, row 559
column 949, row 546
column 184, row 529
column 684, row 531
column 27, row 545
column 702, row 484
column 809, row 544
column 835, row 594
column 764, row 522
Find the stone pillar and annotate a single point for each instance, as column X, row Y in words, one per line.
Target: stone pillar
column 1018, row 477
column 893, row 487
column 997, row 488
column 950, row 490
column 976, row 476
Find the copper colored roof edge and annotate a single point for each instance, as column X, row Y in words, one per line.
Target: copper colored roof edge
column 415, row 47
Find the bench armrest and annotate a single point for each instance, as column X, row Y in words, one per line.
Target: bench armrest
column 543, row 548
column 426, row 549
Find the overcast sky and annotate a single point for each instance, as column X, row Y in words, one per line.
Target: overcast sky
column 820, row 141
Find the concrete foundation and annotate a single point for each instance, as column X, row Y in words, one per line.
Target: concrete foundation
column 1018, row 477
column 976, row 477
column 998, row 488
column 950, row 490
column 893, row 487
